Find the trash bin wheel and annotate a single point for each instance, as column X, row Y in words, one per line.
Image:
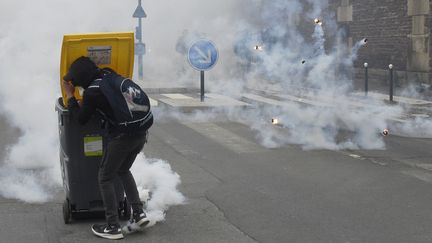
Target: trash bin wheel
column 124, row 209
column 67, row 214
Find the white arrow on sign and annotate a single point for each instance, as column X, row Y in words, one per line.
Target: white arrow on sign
column 206, row 58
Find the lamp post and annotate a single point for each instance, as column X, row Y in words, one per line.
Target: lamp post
column 139, row 46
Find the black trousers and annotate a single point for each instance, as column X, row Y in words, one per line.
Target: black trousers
column 119, row 154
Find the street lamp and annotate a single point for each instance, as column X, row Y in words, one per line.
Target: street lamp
column 139, row 46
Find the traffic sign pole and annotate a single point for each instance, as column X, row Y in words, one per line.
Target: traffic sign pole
column 140, row 46
column 202, row 86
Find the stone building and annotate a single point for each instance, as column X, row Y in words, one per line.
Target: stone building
column 398, row 33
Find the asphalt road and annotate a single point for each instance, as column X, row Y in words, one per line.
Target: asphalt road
column 239, row 191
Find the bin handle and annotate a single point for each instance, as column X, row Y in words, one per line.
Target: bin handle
column 60, row 107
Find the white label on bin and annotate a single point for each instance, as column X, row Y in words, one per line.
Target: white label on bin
column 100, row 54
column 93, row 146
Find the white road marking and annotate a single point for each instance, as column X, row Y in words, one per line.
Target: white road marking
column 224, row 137
column 176, row 96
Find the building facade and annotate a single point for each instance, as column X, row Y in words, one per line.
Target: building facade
column 398, row 33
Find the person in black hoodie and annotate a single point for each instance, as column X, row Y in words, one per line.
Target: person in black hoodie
column 122, row 147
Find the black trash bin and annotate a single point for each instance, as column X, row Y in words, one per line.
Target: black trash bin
column 80, row 156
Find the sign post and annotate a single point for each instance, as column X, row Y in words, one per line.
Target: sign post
column 202, row 86
column 202, row 56
column 140, row 46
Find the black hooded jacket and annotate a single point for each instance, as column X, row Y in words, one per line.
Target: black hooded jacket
column 95, row 103
column 82, row 73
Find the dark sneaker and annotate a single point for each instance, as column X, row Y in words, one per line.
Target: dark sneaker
column 112, row 232
column 136, row 223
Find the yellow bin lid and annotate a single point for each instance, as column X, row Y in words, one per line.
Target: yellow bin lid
column 113, row 50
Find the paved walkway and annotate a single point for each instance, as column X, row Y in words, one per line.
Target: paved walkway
column 188, row 99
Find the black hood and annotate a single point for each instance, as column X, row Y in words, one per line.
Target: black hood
column 82, row 72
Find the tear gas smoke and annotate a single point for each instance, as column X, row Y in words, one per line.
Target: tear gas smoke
column 156, row 177
column 316, row 7
column 317, row 128
column 326, row 76
column 235, row 27
column 355, row 50
column 319, row 39
column 418, row 127
column 29, row 80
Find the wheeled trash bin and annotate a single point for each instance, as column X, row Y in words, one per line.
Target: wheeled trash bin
column 81, row 146
column 81, row 149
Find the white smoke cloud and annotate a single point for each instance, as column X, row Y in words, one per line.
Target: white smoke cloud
column 32, row 186
column 30, row 45
column 155, row 177
column 278, row 27
column 419, row 127
column 316, row 8
column 165, row 24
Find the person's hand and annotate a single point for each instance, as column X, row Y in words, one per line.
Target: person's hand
column 69, row 89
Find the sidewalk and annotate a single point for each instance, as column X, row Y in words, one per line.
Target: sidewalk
column 188, row 98
column 397, row 99
column 415, row 91
column 158, row 87
column 188, row 102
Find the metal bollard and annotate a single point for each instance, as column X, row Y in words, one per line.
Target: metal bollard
column 366, row 78
column 391, row 82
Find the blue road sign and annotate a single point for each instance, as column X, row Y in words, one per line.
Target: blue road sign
column 203, row 55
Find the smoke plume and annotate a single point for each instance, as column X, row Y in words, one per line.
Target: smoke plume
column 30, row 45
column 295, row 58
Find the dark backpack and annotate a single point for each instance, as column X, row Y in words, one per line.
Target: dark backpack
column 130, row 104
